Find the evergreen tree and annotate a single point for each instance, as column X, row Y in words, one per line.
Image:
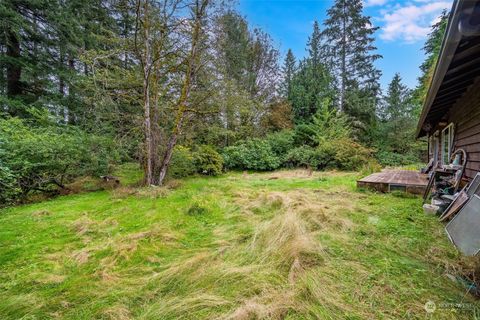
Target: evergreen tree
column 315, row 45
column 312, row 83
column 432, row 50
column 289, row 69
column 397, row 123
column 396, row 103
column 233, row 40
column 41, row 61
column 246, row 56
column 310, row 87
column 349, row 48
column 247, row 75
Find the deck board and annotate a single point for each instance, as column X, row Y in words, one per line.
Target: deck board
column 412, row 181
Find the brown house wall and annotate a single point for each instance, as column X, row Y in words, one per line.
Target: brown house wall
column 465, row 115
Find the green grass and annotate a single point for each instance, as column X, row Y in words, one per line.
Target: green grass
column 241, row 246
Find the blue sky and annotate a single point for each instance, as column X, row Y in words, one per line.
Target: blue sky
column 403, row 24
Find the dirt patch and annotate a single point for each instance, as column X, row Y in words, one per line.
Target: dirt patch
column 268, row 305
column 83, row 226
column 81, row 256
column 152, row 192
column 41, row 213
column 289, row 174
column 118, row 312
column 123, row 192
column 51, row 279
column 173, row 184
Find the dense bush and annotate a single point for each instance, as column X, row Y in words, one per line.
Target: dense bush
column 388, row 158
column 204, row 160
column 302, row 156
column 342, row 154
column 350, row 155
column 304, row 134
column 9, row 188
column 326, row 153
column 281, row 142
column 208, row 161
column 44, row 158
column 182, row 163
column 328, row 146
column 253, row 154
column 317, row 158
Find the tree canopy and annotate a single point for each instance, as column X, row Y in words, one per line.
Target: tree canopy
column 189, row 86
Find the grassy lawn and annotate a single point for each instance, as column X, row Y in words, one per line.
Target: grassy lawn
column 242, row 246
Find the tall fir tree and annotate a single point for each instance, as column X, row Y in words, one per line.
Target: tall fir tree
column 396, row 103
column 396, row 127
column 312, row 84
column 350, row 52
column 289, row 69
column 43, row 41
column 315, row 45
column 432, row 50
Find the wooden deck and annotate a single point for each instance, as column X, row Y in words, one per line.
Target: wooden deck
column 390, row 180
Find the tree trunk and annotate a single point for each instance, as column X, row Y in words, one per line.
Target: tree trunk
column 14, row 70
column 146, row 99
column 155, row 127
column 166, row 158
column 176, row 130
column 61, row 83
column 186, row 87
column 343, row 62
column 71, row 113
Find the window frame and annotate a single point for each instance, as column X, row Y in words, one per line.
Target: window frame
column 445, row 157
column 434, row 147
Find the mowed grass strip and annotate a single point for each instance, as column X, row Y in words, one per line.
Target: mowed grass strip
column 281, row 245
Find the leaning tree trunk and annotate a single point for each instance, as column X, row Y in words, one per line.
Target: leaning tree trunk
column 186, row 88
column 167, row 157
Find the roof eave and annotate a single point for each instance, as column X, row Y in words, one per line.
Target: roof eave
column 449, row 45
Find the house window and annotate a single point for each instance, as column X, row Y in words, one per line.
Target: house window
column 447, row 143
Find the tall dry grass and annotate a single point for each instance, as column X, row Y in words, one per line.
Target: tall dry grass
column 267, row 274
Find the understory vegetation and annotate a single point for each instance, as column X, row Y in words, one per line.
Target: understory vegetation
column 283, row 245
column 189, row 87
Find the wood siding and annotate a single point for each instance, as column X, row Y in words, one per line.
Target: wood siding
column 465, row 114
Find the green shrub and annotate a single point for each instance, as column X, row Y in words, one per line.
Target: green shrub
column 370, row 167
column 392, row 159
column 281, row 142
column 304, row 134
column 302, row 156
column 182, row 163
column 343, row 154
column 253, row 154
column 317, row 158
column 350, row 155
column 208, row 161
column 325, row 155
column 43, row 158
column 9, row 189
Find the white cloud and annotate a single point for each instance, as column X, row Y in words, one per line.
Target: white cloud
column 411, row 22
column 373, row 3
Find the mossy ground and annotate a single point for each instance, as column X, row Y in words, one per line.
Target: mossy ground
column 288, row 245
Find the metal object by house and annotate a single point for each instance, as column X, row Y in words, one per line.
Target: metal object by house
column 464, row 228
